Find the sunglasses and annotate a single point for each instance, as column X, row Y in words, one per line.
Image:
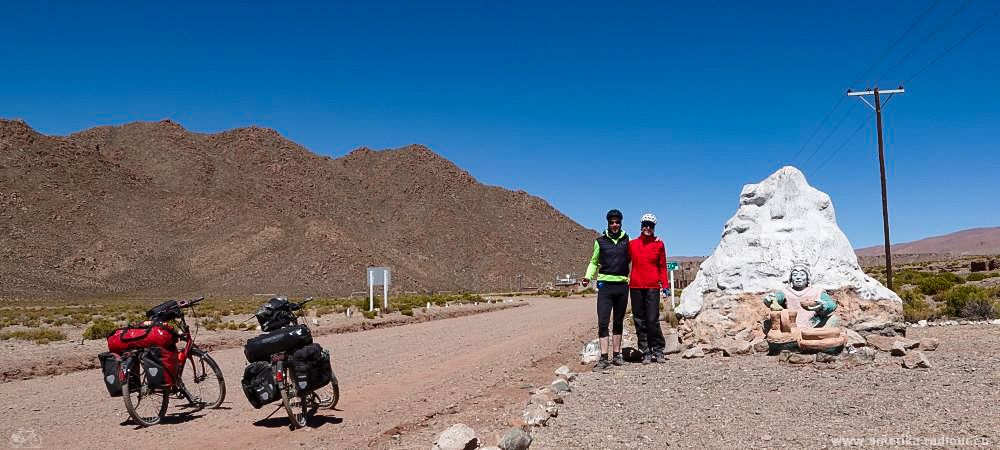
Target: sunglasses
column 648, row 225
column 614, row 221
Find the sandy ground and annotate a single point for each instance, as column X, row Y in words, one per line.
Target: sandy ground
column 758, row 402
column 400, row 387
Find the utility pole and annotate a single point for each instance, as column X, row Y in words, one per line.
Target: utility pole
column 881, row 161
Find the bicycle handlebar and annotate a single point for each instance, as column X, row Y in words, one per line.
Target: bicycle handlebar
column 297, row 306
column 189, row 303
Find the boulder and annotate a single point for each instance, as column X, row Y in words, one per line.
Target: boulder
column 732, row 347
column 854, row 339
column 781, row 220
column 825, row 358
column 916, row 360
column 796, row 358
column 862, row 355
column 515, row 439
column 544, row 400
column 673, row 344
column 760, row 345
column 535, row 415
column 564, row 373
column 886, row 343
column 559, row 386
column 457, row 437
column 928, row 344
column 898, row 348
column 693, row 352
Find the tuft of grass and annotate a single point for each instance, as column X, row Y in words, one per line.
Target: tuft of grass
column 406, row 312
column 100, row 329
column 916, row 307
column 38, row 335
column 369, row 314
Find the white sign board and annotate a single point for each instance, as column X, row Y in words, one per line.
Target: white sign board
column 378, row 276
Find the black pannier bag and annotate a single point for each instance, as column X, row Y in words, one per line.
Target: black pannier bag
column 166, row 311
column 259, row 385
column 262, row 347
column 111, row 368
column 274, row 314
column 152, row 362
column 312, row 368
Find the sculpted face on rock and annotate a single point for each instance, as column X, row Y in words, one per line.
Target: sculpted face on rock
column 799, row 279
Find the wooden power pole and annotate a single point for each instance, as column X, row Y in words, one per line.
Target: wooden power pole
column 881, row 160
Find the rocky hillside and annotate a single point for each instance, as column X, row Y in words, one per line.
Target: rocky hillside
column 153, row 209
column 975, row 241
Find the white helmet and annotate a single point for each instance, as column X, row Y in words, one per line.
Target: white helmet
column 648, row 217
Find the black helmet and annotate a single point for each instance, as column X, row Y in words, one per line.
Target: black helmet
column 614, row 213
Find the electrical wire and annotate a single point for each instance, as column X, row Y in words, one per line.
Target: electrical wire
column 913, row 24
column 827, row 138
column 829, row 157
column 956, row 44
column 923, row 41
column 899, row 39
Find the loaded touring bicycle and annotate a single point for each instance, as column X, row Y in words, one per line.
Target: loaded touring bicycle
column 285, row 364
column 149, row 363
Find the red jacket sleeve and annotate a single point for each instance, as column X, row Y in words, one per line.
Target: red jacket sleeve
column 662, row 266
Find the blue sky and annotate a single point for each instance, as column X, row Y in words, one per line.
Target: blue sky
column 667, row 107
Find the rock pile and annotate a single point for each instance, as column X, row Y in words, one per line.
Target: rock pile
column 542, row 405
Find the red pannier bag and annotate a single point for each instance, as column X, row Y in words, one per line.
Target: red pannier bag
column 144, row 335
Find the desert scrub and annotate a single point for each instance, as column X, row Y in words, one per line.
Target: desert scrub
column 100, row 329
column 369, row 314
column 916, row 307
column 406, row 312
column 970, row 301
column 38, row 335
column 979, row 276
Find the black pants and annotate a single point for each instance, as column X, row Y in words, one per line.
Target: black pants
column 611, row 297
column 646, row 315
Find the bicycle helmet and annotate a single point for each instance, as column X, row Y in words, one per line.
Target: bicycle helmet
column 648, row 217
column 614, row 213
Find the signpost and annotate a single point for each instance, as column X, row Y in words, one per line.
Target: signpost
column 378, row 276
column 672, row 266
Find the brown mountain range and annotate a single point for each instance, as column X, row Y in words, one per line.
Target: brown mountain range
column 153, row 209
column 974, row 241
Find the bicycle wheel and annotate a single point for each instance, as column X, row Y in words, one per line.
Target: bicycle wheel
column 145, row 405
column 328, row 396
column 204, row 379
column 296, row 406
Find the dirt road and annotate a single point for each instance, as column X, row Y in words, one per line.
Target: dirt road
column 399, row 387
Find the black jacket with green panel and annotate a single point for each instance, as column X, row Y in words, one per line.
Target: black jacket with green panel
column 610, row 261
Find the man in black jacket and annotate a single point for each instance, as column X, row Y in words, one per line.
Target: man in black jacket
column 610, row 263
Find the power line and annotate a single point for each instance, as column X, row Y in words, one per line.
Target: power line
column 899, row 39
column 818, row 127
column 841, row 146
column 956, row 44
column 924, row 40
column 827, row 138
column 874, row 63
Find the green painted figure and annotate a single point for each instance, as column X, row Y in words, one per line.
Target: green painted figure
column 814, row 306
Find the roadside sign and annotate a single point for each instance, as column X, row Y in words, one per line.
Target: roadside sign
column 672, row 265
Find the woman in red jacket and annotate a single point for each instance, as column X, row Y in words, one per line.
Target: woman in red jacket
column 649, row 275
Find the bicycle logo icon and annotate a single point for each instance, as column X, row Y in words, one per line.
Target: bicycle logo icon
column 25, row 438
